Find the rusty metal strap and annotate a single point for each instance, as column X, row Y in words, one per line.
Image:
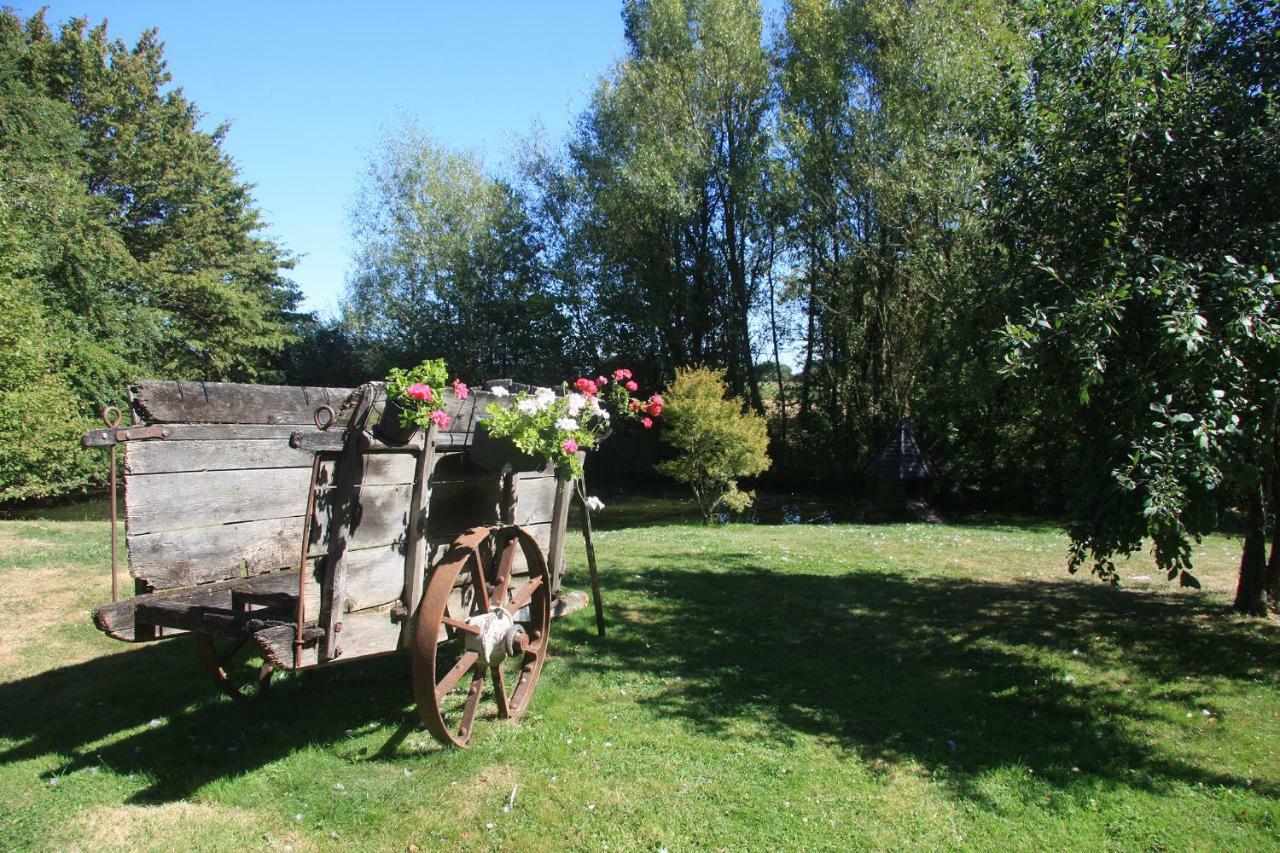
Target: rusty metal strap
column 111, row 437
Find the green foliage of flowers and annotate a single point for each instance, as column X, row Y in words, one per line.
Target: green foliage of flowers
column 715, row 442
column 418, row 406
column 557, row 427
column 552, row 426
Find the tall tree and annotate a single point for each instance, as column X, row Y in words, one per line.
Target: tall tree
column 449, row 265
column 1142, row 233
column 129, row 244
column 885, row 168
column 672, row 156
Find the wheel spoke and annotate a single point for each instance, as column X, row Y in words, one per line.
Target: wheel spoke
column 460, row 625
column 453, row 676
column 503, row 577
column 500, row 691
column 524, row 595
column 477, row 579
column 473, row 702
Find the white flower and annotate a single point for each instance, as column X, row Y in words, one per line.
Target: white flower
column 544, row 397
column 594, row 503
column 576, row 402
column 499, row 391
column 598, row 410
column 566, row 424
column 527, row 406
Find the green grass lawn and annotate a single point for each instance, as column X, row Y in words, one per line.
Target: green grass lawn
column 812, row 687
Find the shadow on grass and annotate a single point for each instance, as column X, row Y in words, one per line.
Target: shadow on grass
column 184, row 733
column 960, row 677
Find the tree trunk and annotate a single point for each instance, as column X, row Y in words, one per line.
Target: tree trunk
column 777, row 364
column 811, row 309
column 1272, row 583
column 1250, row 599
column 1273, row 576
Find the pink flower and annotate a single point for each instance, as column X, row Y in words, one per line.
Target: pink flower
column 602, row 381
column 647, row 423
column 657, row 398
column 586, row 386
column 621, row 373
column 570, row 446
column 441, row 419
column 460, row 389
column 631, row 386
column 418, row 391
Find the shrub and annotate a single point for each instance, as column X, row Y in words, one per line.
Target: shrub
column 715, row 442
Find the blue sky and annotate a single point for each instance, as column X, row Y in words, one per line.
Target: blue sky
column 309, row 88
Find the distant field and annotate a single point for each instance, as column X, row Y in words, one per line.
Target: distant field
column 808, row 687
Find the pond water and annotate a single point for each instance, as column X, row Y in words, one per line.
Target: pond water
column 626, row 510
column 642, row 510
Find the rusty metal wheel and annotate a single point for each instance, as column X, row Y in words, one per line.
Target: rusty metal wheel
column 231, row 662
column 482, row 619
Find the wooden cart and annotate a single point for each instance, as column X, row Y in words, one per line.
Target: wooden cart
column 257, row 531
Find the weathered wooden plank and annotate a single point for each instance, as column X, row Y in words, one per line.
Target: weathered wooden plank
column 457, row 467
column 456, row 506
column 375, row 576
column 366, row 633
column 233, row 403
column 335, row 441
column 345, row 511
column 117, row 619
column 155, row 502
column 228, row 432
column 204, row 619
column 193, row 555
column 164, row 457
column 175, row 558
column 415, row 557
column 195, row 456
column 559, row 521
column 230, row 403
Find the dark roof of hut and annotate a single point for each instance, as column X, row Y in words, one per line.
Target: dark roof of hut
column 902, row 457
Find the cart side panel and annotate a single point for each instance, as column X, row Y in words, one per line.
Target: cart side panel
column 194, row 527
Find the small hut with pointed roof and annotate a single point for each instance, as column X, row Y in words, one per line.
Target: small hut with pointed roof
column 902, row 470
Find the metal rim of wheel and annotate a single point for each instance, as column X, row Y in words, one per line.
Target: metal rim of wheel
column 492, row 626
column 218, row 660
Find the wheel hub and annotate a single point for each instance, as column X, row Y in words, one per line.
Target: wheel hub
column 498, row 636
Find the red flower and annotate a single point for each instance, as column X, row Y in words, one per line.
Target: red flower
column 631, row 386
column 654, row 409
column 647, row 423
column 634, row 405
column 418, row 391
column 586, row 386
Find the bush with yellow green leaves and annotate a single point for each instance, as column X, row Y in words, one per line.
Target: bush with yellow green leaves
column 716, row 443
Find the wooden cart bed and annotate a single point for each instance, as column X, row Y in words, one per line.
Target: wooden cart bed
column 215, row 510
